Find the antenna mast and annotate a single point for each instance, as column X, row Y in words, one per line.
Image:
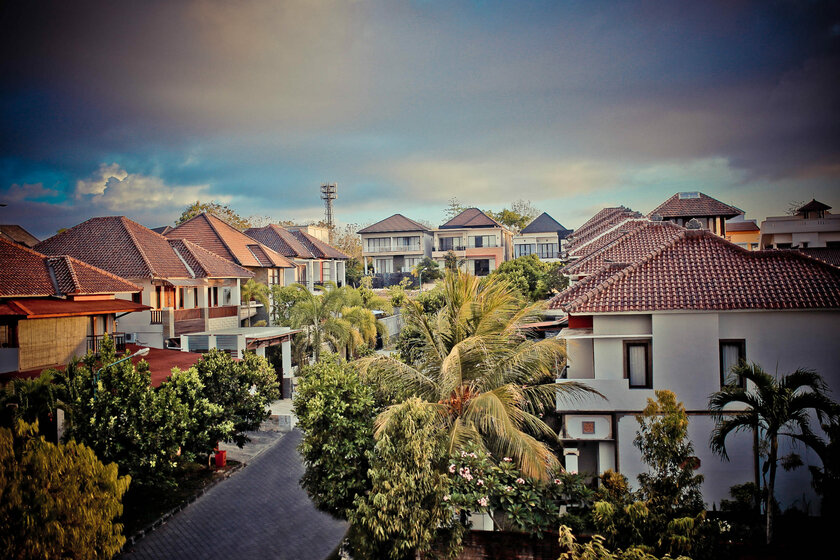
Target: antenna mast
column 328, row 194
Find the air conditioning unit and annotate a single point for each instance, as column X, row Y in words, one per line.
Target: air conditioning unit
column 130, row 338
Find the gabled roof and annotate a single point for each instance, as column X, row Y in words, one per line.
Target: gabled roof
column 13, row 232
column 813, row 206
column 120, row 246
column 28, row 273
column 700, row 271
column 395, row 223
column 471, row 218
column 161, row 229
column 629, row 245
column 206, row 264
column 281, row 240
column 598, row 218
column 745, row 225
column 319, row 248
column 828, row 255
column 228, row 242
column 545, row 223
column 682, row 206
column 596, row 234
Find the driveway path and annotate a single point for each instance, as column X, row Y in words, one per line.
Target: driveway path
column 259, row 512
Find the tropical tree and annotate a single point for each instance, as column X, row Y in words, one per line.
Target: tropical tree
column 774, row 408
column 221, row 211
column 479, row 375
column 255, row 291
column 428, row 270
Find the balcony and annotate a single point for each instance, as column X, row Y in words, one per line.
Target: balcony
column 94, row 342
column 446, row 248
column 394, row 249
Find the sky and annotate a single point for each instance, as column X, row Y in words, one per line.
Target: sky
column 139, row 108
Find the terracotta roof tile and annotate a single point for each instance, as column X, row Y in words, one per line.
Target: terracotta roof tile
column 226, row 241
column 13, row 232
column 26, row 272
column 700, row 271
column 600, row 216
column 828, row 255
column 395, row 223
column 319, row 248
column 281, row 240
column 206, row 264
column 120, row 246
column 471, row 218
column 702, row 205
column 582, row 241
column 745, row 225
column 52, row 307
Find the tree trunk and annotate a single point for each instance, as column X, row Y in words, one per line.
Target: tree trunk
column 771, row 484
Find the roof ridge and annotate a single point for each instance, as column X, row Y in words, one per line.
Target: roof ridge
column 218, row 233
column 148, row 263
column 636, row 229
column 74, row 261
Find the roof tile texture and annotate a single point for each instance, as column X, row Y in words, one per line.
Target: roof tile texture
column 281, row 240
column 469, row 218
column 676, row 207
column 395, row 223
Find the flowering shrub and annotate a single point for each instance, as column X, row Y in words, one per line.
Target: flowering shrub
column 518, row 503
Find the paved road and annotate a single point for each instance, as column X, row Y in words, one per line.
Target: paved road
column 259, row 512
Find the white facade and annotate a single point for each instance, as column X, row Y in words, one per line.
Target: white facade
column 547, row 246
column 685, row 357
column 786, row 232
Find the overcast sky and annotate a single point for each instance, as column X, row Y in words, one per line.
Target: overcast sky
column 139, row 108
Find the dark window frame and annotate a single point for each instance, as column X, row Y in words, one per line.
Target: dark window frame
column 742, row 357
column 648, row 365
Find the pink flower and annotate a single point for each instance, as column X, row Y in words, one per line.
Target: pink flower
column 473, row 455
column 465, row 472
column 452, row 468
column 508, row 488
column 520, row 481
column 507, row 459
column 483, row 501
column 480, row 482
column 463, row 453
column 572, row 472
column 446, row 498
column 557, row 481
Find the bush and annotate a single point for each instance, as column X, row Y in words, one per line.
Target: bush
column 56, row 501
column 335, row 411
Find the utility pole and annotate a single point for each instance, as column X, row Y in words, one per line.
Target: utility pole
column 328, row 194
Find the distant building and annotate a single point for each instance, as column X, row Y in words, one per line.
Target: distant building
column 812, row 226
column 479, row 242
column 16, row 234
column 710, row 212
column 743, row 233
column 395, row 244
column 544, row 237
column 322, row 233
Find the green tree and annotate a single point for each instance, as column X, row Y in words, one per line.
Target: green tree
column 335, row 411
column 774, row 408
column 221, row 211
column 453, row 208
column 520, row 214
column 480, row 377
column 318, row 314
column 346, row 240
column 354, row 270
column 595, row 549
column 527, row 274
column 255, row 291
column 30, row 400
column 56, row 501
column 671, row 486
column 405, row 510
column 429, row 268
column 283, row 299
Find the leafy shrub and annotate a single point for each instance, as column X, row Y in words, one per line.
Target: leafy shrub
column 56, row 501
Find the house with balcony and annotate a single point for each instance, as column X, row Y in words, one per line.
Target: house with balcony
column 678, row 318
column 53, row 308
column 812, row 226
column 480, row 243
column 316, row 261
column 544, row 237
column 185, row 287
column 395, row 245
column 710, row 212
column 265, row 264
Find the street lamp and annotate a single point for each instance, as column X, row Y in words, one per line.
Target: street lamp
column 141, row 352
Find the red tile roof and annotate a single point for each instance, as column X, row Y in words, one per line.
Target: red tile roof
column 206, row 264
column 703, row 205
column 744, row 225
column 583, row 240
column 13, row 232
column 700, row 271
column 227, row 242
column 39, row 308
column 395, row 223
column 471, row 218
column 120, row 246
column 600, row 216
column 813, row 206
column 162, row 360
column 319, row 248
column 281, row 240
column 629, row 245
column 828, row 255
column 25, row 272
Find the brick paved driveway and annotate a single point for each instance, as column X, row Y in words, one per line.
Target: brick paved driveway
column 259, row 512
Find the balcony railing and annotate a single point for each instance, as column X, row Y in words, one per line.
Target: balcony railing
column 394, row 249
column 94, row 341
column 451, row 248
column 187, row 314
column 157, row 317
column 226, row 311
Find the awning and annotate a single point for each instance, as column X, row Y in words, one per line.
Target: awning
column 40, row 308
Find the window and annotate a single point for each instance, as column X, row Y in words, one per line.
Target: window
column 408, row 243
column 450, row 243
column 137, row 297
column 523, row 250
column 483, row 241
column 7, row 336
column 182, row 296
column 379, row 244
column 783, row 245
column 547, row 250
column 637, row 364
column 732, row 353
column 214, row 296
column 482, row 267
column 384, row 266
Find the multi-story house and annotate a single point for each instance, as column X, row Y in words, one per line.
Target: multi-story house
column 317, row 262
column 53, row 308
column 678, row 318
column 743, row 233
column 544, row 237
column 187, row 287
column 812, row 226
column 710, row 212
column 479, row 242
column 267, row 265
column 395, row 244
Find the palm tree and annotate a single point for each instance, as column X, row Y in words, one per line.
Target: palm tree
column 318, row 314
column 774, row 408
column 485, row 381
column 253, row 290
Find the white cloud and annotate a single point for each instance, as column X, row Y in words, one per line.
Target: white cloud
column 112, row 188
column 29, row 191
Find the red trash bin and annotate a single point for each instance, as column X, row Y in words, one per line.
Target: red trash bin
column 221, row 458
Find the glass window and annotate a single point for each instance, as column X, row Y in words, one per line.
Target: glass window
column 379, row 244
column 384, row 266
column 732, row 353
column 482, row 267
column 637, row 364
column 547, row 250
column 7, row 336
column 523, row 250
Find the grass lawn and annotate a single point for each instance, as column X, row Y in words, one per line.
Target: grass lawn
column 144, row 506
